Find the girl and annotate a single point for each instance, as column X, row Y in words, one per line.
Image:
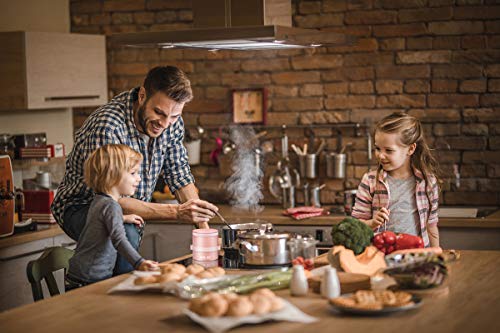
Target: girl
column 402, row 194
column 111, row 171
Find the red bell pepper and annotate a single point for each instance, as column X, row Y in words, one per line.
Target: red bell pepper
column 388, row 242
column 406, row 241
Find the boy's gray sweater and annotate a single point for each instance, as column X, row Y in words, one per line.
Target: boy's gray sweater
column 101, row 238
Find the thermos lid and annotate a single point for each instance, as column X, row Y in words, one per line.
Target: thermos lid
column 205, row 232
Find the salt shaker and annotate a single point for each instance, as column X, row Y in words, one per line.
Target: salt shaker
column 298, row 284
column 330, row 285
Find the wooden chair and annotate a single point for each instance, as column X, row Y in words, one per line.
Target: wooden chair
column 51, row 260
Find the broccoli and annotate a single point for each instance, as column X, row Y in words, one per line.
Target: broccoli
column 352, row 234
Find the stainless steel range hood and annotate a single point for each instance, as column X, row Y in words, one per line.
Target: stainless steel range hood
column 236, row 25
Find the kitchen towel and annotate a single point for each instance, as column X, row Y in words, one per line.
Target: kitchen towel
column 300, row 213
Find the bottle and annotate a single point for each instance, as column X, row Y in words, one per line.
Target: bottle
column 330, row 285
column 298, row 284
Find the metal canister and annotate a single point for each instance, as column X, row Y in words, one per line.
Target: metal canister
column 336, row 165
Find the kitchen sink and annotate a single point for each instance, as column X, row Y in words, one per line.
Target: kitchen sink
column 466, row 212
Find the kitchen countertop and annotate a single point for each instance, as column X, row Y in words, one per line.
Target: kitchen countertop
column 26, row 237
column 470, row 306
column 272, row 214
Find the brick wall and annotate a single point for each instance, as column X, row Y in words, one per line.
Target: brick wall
column 436, row 59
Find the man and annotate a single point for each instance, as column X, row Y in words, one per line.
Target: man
column 148, row 119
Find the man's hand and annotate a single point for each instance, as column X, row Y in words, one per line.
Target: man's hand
column 196, row 211
column 134, row 219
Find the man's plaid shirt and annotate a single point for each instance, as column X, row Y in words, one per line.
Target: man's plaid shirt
column 114, row 123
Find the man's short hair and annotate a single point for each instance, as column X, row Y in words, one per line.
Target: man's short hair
column 171, row 81
column 106, row 165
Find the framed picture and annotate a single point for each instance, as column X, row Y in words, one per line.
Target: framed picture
column 249, row 106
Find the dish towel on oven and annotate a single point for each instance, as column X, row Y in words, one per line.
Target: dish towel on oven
column 305, row 212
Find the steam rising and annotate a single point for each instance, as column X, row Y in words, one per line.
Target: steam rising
column 245, row 184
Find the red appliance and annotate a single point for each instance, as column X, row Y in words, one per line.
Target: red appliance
column 7, row 204
column 37, row 205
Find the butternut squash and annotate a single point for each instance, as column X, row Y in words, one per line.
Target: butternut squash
column 368, row 262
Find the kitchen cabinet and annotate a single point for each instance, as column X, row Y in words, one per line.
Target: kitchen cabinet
column 15, row 290
column 46, row 70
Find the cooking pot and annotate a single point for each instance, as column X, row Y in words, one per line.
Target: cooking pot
column 229, row 236
column 264, row 248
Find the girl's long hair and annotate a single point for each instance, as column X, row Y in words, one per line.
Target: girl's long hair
column 410, row 131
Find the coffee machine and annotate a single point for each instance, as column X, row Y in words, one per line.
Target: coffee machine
column 7, row 203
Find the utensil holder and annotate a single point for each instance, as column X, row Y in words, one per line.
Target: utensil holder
column 336, row 165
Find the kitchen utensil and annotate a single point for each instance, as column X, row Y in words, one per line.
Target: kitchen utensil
column 349, row 200
column 205, row 244
column 316, row 195
column 230, row 235
column 223, row 219
column 43, row 179
column 320, row 147
column 264, row 248
column 311, row 162
column 282, row 179
column 307, row 198
column 336, row 165
column 302, row 246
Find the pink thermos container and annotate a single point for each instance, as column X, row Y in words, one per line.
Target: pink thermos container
column 205, row 245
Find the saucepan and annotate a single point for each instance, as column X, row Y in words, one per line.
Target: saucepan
column 264, row 248
column 230, row 235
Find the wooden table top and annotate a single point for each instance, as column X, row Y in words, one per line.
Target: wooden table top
column 471, row 306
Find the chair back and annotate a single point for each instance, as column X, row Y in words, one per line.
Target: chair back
column 51, row 260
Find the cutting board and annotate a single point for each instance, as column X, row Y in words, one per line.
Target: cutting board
column 349, row 282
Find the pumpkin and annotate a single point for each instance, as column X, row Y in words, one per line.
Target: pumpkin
column 369, row 262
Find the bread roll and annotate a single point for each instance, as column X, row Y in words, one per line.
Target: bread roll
column 230, row 296
column 265, row 292
column 169, row 277
column 141, row 280
column 261, row 304
column 212, row 305
column 173, row 268
column 240, row 307
column 276, row 304
column 217, row 271
column 194, row 269
column 204, row 275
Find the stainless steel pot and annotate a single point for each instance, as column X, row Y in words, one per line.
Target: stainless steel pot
column 229, row 236
column 264, row 249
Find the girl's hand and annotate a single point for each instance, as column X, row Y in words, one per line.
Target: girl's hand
column 381, row 216
column 148, row 265
column 134, row 219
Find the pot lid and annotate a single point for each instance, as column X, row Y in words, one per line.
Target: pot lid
column 264, row 235
column 250, row 226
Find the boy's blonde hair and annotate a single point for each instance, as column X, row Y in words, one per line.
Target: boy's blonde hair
column 106, row 165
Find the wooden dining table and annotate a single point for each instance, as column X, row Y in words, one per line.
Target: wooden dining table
column 471, row 303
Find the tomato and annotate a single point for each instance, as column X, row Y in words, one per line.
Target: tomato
column 378, row 241
column 390, row 249
column 389, row 237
